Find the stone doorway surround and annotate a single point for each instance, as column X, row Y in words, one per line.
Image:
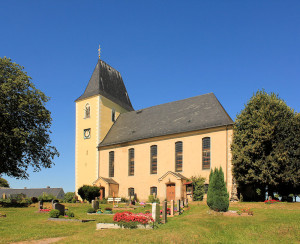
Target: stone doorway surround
column 172, row 182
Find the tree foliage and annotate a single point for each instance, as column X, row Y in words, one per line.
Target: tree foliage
column 3, row 183
column 24, row 123
column 89, row 192
column 218, row 197
column 265, row 147
column 198, row 187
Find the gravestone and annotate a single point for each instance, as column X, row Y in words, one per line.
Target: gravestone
column 164, row 212
column 60, row 208
column 155, row 212
column 172, row 207
column 40, row 204
column 3, row 196
column 53, row 202
column 178, row 206
column 186, row 202
column 95, row 204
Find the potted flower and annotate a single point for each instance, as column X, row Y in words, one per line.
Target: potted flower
column 108, row 210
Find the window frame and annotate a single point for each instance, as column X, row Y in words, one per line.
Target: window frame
column 87, row 111
column 111, row 164
column 131, row 162
column 178, row 156
column 151, row 192
column 153, row 159
column 206, row 153
column 130, row 190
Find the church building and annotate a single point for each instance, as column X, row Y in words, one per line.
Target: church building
column 149, row 151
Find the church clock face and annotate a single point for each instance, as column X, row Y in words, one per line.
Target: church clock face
column 87, row 133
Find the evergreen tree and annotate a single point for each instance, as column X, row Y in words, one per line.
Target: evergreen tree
column 220, row 197
column 89, row 192
column 210, row 189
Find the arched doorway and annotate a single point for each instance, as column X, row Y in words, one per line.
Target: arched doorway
column 170, row 191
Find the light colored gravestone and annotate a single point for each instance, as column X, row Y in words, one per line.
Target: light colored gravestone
column 164, row 212
column 155, row 212
column 186, row 202
column 53, row 202
column 3, row 196
column 60, row 208
column 178, row 206
column 172, row 207
column 40, row 204
column 95, row 204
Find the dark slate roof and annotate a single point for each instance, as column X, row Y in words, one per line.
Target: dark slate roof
column 33, row 192
column 107, row 82
column 190, row 114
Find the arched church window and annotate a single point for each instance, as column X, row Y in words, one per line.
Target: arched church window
column 87, row 111
column 131, row 162
column 206, row 153
column 153, row 159
column 111, row 166
column 178, row 156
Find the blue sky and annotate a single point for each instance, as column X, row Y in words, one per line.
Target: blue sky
column 165, row 51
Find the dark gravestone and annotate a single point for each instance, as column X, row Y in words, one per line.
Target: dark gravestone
column 178, row 206
column 60, row 208
column 164, row 212
column 95, row 204
column 40, row 205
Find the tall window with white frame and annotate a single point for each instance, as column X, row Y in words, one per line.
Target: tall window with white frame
column 153, row 159
column 87, row 111
column 111, row 166
column 178, row 156
column 206, row 153
column 131, row 162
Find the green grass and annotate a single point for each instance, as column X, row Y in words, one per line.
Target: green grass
column 276, row 223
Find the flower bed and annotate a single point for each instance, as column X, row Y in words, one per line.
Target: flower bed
column 271, row 201
column 46, row 210
column 130, row 220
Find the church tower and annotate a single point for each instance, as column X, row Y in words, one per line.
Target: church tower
column 104, row 98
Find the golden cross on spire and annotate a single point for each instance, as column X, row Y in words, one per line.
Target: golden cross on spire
column 99, row 51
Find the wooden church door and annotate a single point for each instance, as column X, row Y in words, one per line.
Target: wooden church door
column 170, row 191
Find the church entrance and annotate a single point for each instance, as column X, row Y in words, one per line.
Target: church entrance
column 102, row 193
column 170, row 191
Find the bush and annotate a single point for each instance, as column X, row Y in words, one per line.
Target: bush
column 54, row 213
column 124, row 199
column 103, row 201
column 219, row 197
column 34, row 200
column 73, row 200
column 46, row 197
column 209, row 190
column 91, row 210
column 69, row 196
column 198, row 188
column 152, row 199
column 89, row 192
column 70, row 214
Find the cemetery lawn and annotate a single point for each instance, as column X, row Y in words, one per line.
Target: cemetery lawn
column 274, row 223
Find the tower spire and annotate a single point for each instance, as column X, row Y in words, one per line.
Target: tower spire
column 99, row 52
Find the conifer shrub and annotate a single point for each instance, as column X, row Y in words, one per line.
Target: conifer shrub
column 54, row 213
column 210, row 189
column 89, row 193
column 218, row 197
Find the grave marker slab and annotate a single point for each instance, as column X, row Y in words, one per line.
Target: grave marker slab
column 172, row 207
column 164, row 212
column 60, row 208
column 155, row 212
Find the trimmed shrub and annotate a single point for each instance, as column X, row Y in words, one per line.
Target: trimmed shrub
column 70, row 214
column 152, row 199
column 89, row 192
column 69, row 196
column 219, row 197
column 46, row 197
column 54, row 213
column 198, row 188
column 91, row 210
column 103, row 201
column 34, row 200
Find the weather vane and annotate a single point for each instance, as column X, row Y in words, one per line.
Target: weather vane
column 99, row 51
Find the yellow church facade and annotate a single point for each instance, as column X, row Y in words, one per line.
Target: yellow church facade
column 154, row 150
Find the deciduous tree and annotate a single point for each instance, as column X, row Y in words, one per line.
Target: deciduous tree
column 265, row 148
column 24, row 123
